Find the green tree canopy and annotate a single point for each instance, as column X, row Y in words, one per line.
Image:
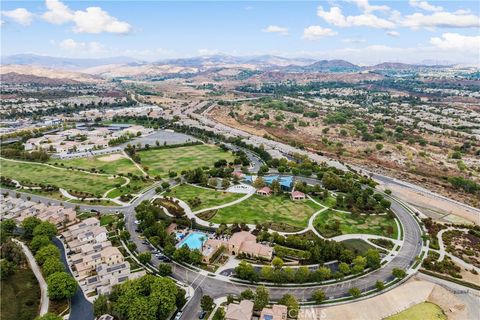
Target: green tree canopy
column 46, row 252
column 61, row 285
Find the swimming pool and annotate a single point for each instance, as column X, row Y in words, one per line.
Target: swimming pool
column 193, row 240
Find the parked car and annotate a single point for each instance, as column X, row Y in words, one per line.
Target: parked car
column 202, row 315
column 136, row 222
column 178, row 316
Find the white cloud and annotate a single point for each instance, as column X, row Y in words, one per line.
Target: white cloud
column 20, row 15
column 81, row 47
column 354, row 40
column 90, row 20
column 317, row 32
column 458, row 19
column 335, row 17
column 424, row 5
column 366, row 7
column 276, row 29
column 455, row 41
column 57, row 13
column 393, row 33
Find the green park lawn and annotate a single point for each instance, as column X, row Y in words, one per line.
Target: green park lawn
column 421, row 311
column 20, row 296
column 280, row 212
column 208, row 197
column 66, row 179
column 119, row 166
column 161, row 161
column 350, row 224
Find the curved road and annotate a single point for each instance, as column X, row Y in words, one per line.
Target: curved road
column 218, row 288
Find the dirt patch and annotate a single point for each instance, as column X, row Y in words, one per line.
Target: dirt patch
column 112, row 157
column 413, row 292
column 424, row 200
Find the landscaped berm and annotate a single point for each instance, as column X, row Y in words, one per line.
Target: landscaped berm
column 332, row 223
column 421, row 311
column 200, row 198
column 279, row 212
column 161, row 161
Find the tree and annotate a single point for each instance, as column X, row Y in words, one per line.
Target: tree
column 399, row 273
column 379, row 285
column 259, row 183
column 344, row 268
column 277, row 263
column 318, row 296
column 45, row 228
column 46, row 252
column 145, row 257
column 148, row 297
column 354, row 292
column 7, row 226
column 247, row 295
column 359, row 264
column 219, row 314
column 246, row 271
column 206, row 303
column 373, row 258
column 61, row 285
column 38, row 242
column 100, row 305
column 7, row 268
column 49, row 316
column 292, row 304
column 51, row 266
column 28, row 225
column 261, row 298
column 275, row 186
column 164, row 269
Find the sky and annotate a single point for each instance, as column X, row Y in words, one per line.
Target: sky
column 360, row 31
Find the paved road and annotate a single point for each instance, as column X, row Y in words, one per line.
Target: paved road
column 80, row 307
column 217, row 288
column 44, row 301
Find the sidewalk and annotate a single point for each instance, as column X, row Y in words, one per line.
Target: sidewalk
column 44, row 301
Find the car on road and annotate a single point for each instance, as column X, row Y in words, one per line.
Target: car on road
column 138, row 230
column 136, row 222
column 94, row 211
column 202, row 315
column 145, row 242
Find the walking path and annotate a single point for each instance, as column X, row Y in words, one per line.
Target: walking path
column 136, row 164
column 44, row 301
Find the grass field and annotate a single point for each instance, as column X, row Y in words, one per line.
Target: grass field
column 357, row 246
column 121, row 165
column 20, row 296
column 421, row 311
column 161, row 161
column 209, row 197
column 66, row 179
column 280, row 212
column 349, row 223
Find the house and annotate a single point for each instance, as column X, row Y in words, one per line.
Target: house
column 246, row 243
column 276, row 312
column 239, row 311
column 297, row 195
column 239, row 243
column 265, row 191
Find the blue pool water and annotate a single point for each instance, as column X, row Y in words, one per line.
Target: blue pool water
column 193, row 240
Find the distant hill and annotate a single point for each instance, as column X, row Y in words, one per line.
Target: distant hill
column 17, row 78
column 63, row 63
column 36, row 74
column 325, row 66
